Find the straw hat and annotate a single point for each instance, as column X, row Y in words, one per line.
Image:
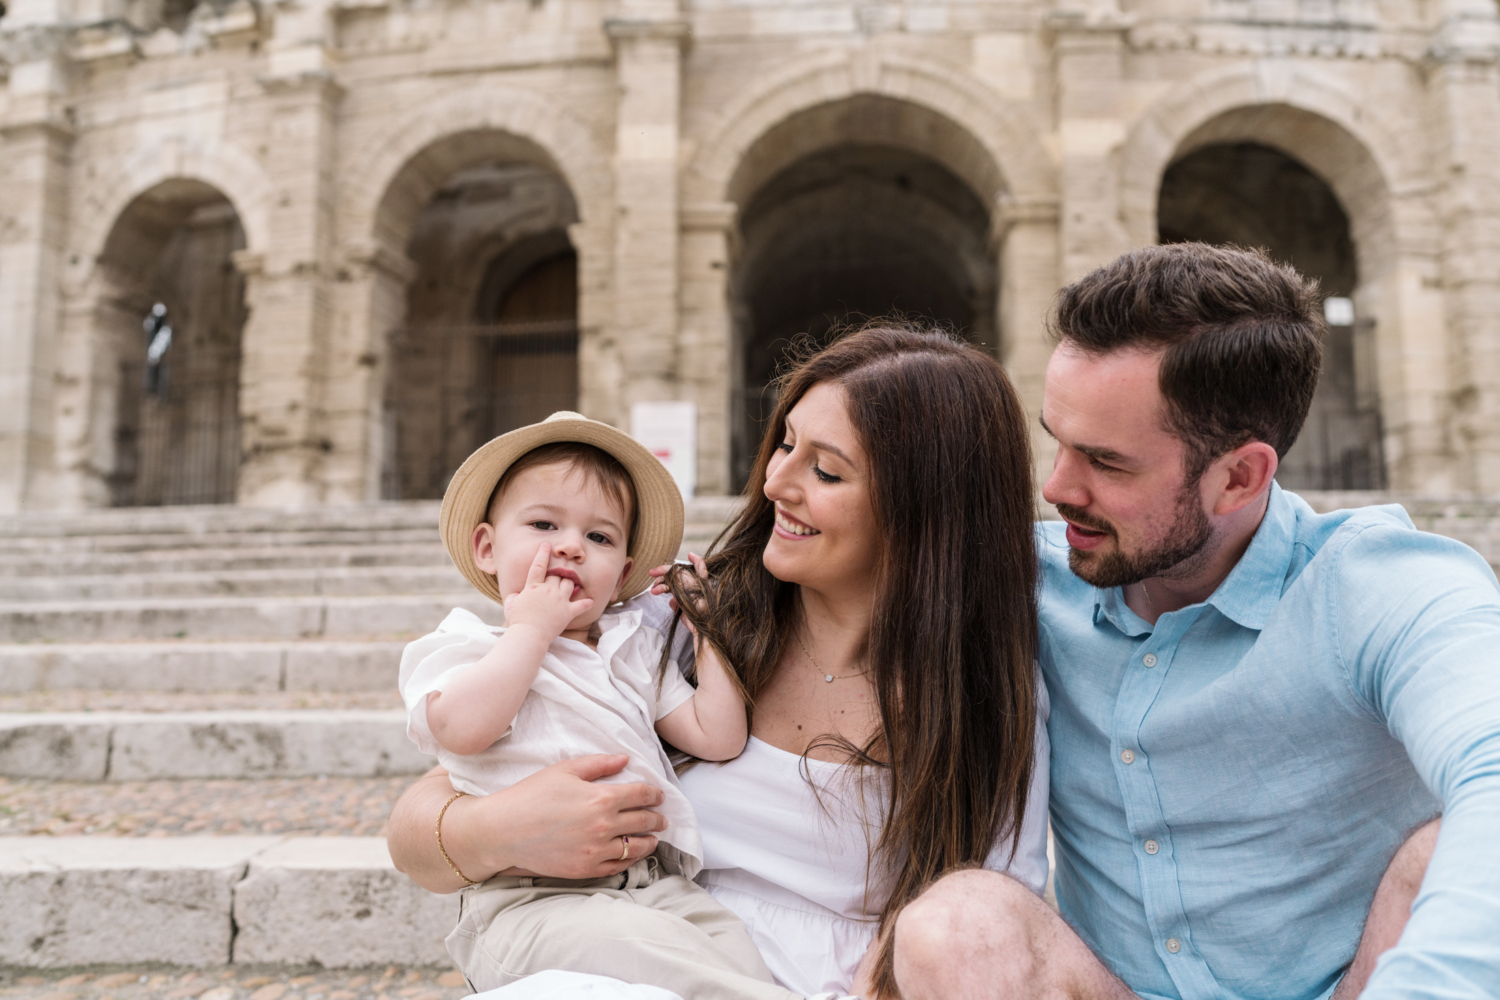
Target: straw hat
column 658, row 532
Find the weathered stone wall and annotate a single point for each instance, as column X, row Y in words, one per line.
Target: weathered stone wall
column 335, row 129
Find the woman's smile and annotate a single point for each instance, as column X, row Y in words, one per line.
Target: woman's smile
column 787, row 525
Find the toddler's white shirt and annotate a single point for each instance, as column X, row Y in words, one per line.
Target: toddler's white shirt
column 582, row 702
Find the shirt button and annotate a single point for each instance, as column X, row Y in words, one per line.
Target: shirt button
column 1152, row 847
column 1127, row 756
column 1174, row 945
column 1149, row 659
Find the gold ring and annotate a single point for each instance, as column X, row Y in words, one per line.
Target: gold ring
column 625, row 849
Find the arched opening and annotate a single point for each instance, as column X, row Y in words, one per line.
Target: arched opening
column 869, row 223
column 1250, row 194
column 490, row 341
column 175, row 317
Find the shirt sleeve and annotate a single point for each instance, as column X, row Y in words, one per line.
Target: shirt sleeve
column 1419, row 633
column 430, row 663
column 657, row 614
column 1029, row 865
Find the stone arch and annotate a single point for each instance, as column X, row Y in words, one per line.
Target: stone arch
column 406, row 164
column 1312, row 117
column 236, row 175
column 143, row 419
column 1005, row 154
column 1382, row 184
column 988, row 144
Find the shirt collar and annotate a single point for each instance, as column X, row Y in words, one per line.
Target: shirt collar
column 1252, row 589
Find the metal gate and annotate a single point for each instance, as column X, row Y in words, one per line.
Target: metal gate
column 179, row 444
column 453, row 387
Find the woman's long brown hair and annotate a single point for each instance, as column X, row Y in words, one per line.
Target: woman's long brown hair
column 953, row 632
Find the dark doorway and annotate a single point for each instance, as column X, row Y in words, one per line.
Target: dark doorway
column 491, row 338
column 181, row 315
column 846, row 234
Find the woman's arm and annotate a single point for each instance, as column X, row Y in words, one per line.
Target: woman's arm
column 560, row 823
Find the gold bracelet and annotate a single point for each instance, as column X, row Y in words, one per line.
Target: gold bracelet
column 439, row 831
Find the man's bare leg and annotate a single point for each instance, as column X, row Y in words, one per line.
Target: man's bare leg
column 975, row 935
column 1391, row 909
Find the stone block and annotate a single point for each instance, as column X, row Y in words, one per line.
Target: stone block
column 337, row 902
column 210, row 618
column 417, row 615
column 262, row 744
column 57, row 747
column 342, row 666
column 103, row 900
column 141, row 666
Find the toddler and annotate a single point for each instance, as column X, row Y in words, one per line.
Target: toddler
column 559, row 521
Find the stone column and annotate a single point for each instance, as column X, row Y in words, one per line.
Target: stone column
column 1089, row 52
column 1464, row 83
column 648, row 37
column 283, row 364
column 35, row 140
column 706, row 341
column 1026, row 232
column 371, row 301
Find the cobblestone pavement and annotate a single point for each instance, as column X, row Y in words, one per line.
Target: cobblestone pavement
column 322, row 806
column 245, row 982
column 191, row 701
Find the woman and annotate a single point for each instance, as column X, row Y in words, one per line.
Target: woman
column 876, row 597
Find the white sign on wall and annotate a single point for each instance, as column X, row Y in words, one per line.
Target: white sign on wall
column 669, row 430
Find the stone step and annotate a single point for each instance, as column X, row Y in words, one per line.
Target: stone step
column 173, row 807
column 140, row 746
column 343, row 581
column 336, row 902
column 263, row 618
column 236, row 560
column 53, row 700
column 201, row 666
column 147, row 981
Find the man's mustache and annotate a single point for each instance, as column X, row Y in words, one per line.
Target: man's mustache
column 1082, row 519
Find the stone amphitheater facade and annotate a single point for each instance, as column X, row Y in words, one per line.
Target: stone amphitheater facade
column 382, row 230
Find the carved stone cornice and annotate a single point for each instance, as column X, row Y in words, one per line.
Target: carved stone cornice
column 671, row 29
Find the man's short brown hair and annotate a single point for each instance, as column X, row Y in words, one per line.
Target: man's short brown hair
column 1241, row 338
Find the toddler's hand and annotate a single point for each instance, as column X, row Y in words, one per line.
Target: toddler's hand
column 544, row 603
column 695, row 592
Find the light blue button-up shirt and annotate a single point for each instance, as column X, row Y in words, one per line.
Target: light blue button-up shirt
column 1229, row 786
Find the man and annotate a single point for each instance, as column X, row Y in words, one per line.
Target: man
column 1253, row 706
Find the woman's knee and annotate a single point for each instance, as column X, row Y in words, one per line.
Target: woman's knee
column 969, row 916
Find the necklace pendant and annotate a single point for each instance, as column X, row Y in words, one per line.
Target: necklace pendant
column 828, row 678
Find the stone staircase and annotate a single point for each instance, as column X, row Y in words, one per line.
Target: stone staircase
column 159, row 659
column 198, row 721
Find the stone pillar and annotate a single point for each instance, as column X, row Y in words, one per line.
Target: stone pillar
column 648, row 37
column 99, row 323
column 283, row 364
column 1464, row 84
column 35, row 140
column 370, row 301
column 1026, row 231
column 706, row 340
column 1089, row 53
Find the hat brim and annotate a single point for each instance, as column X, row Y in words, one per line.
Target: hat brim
column 659, row 509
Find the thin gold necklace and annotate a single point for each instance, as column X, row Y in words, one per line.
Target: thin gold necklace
column 830, row 678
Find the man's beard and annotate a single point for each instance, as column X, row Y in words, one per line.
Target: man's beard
column 1189, row 533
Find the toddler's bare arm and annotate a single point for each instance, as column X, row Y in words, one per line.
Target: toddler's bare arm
column 712, row 724
column 478, row 705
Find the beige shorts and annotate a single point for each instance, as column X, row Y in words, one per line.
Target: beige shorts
column 639, row 926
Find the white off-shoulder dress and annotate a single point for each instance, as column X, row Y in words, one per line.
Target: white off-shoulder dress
column 786, row 843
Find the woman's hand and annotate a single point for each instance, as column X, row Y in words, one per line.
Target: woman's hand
column 559, row 823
